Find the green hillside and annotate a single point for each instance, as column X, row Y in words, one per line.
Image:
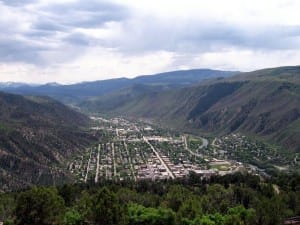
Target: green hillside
column 265, row 103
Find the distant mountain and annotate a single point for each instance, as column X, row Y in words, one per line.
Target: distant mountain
column 265, row 103
column 78, row 92
column 36, row 135
column 15, row 84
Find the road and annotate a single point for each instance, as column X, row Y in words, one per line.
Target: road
column 160, row 159
column 204, row 144
column 156, row 153
column 88, row 166
column 113, row 157
column 130, row 162
column 296, row 158
column 98, row 165
column 213, row 144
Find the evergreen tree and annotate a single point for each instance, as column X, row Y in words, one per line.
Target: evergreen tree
column 39, row 206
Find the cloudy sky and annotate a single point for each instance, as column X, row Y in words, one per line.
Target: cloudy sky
column 69, row 41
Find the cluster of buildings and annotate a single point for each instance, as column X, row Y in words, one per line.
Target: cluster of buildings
column 137, row 151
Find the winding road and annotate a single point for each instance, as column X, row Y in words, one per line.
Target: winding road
column 204, row 144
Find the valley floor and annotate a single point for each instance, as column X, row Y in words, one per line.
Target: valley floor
column 136, row 151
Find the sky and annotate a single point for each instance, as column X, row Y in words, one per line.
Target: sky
column 69, row 41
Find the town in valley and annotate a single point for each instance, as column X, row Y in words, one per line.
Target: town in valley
column 141, row 151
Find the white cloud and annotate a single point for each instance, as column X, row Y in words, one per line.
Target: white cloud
column 95, row 64
column 71, row 41
column 247, row 60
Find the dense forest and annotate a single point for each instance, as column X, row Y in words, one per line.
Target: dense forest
column 233, row 199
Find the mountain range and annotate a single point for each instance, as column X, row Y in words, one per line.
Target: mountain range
column 263, row 103
column 75, row 93
column 38, row 133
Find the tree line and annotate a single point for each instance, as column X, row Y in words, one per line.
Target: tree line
column 229, row 200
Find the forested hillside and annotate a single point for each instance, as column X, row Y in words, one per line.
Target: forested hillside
column 235, row 199
column 36, row 135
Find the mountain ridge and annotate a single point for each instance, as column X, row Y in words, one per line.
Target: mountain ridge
column 77, row 92
column 264, row 103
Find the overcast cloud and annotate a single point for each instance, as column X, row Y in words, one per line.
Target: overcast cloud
column 70, row 41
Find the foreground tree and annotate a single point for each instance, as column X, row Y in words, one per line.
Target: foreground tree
column 73, row 217
column 140, row 215
column 106, row 209
column 39, row 206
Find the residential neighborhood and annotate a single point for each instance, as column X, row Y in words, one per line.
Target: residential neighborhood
column 137, row 150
